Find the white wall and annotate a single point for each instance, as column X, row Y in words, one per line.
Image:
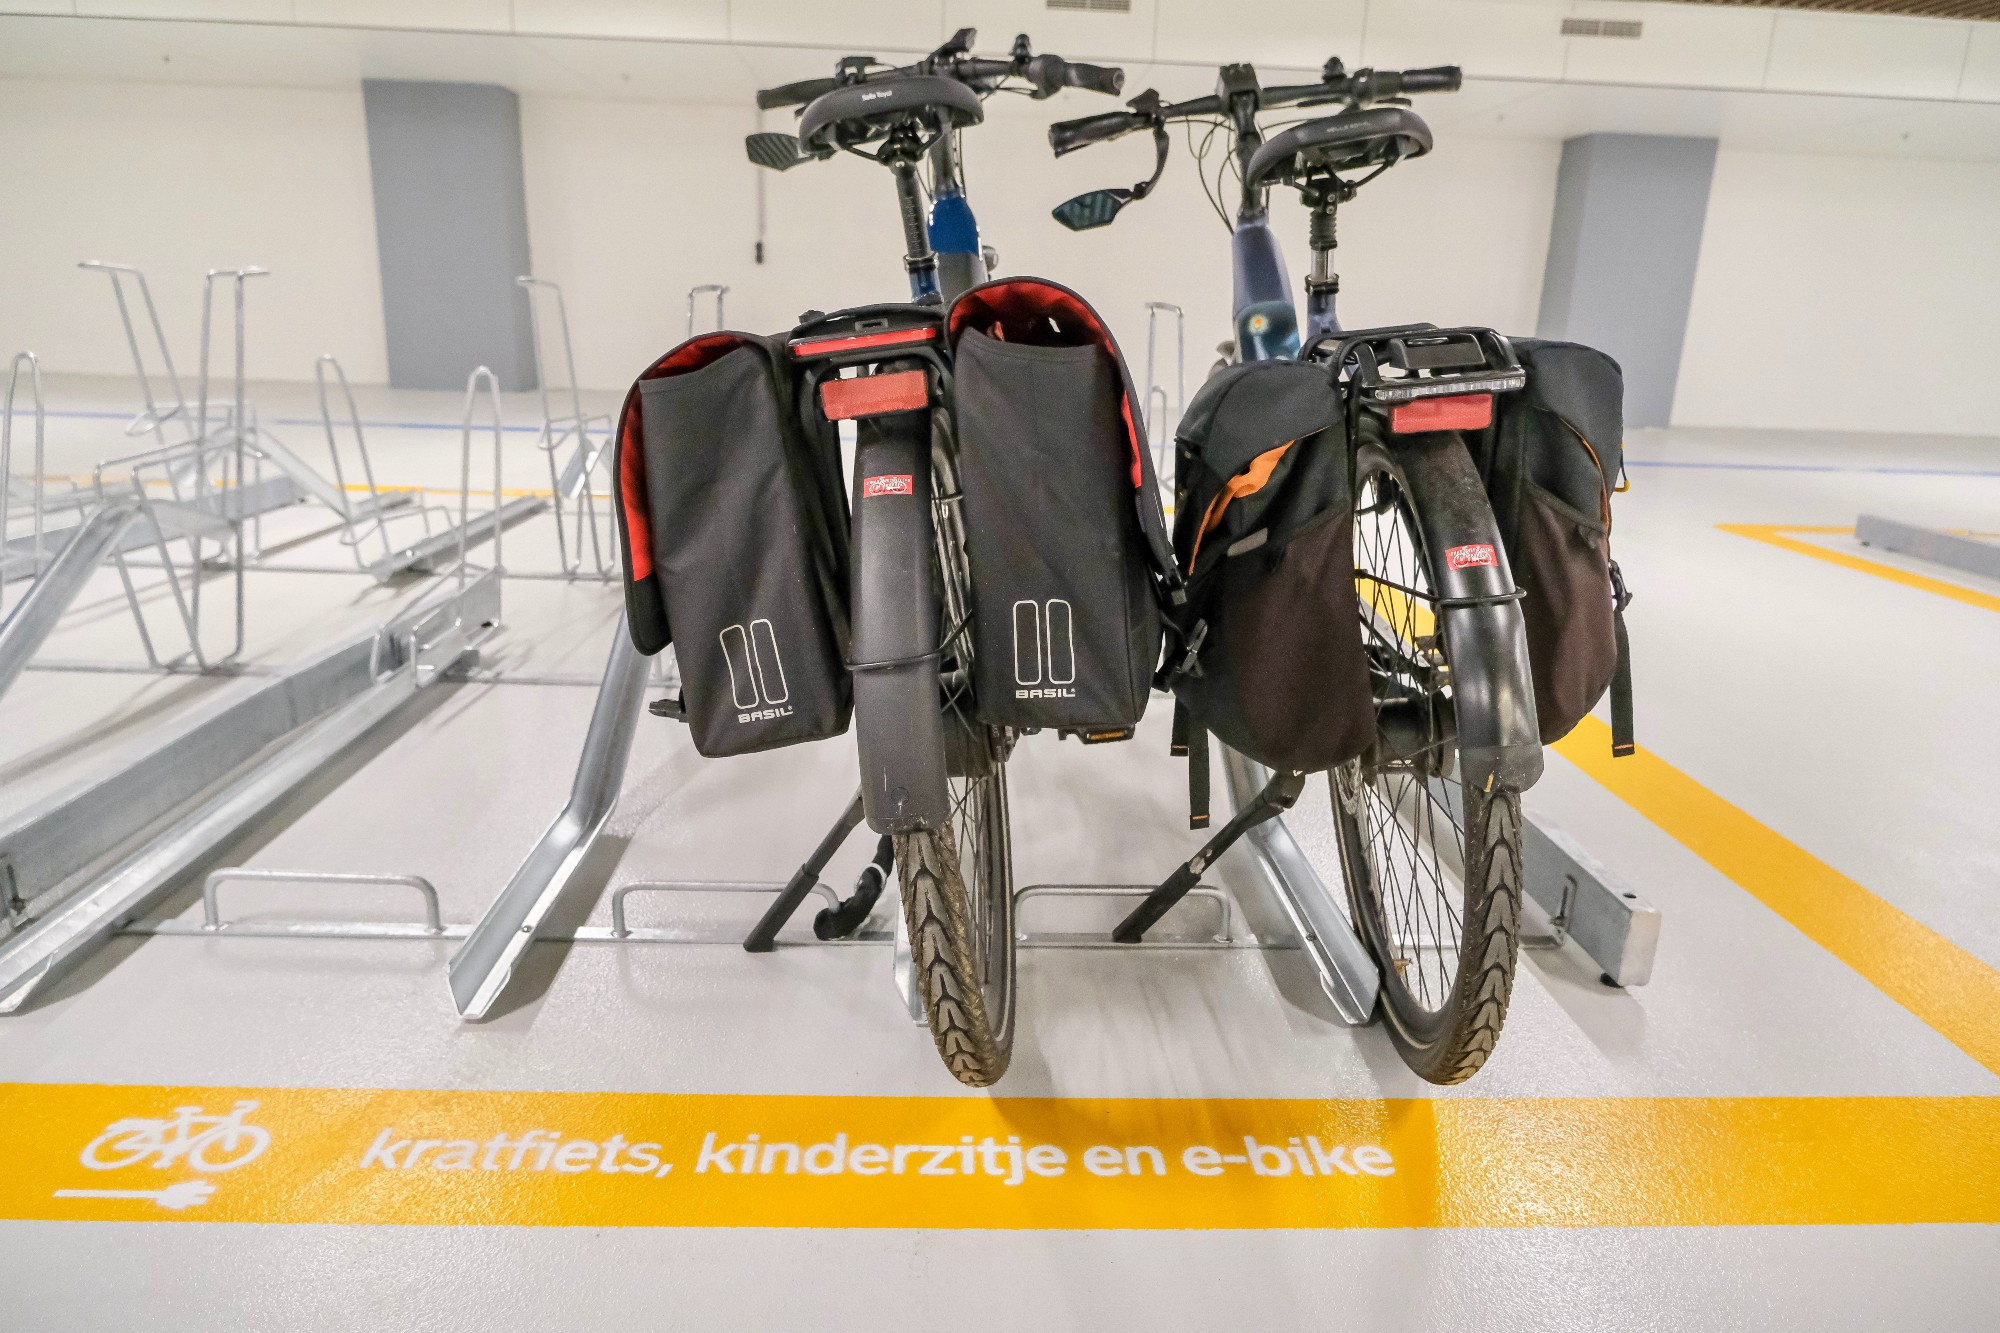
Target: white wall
column 629, row 205
column 179, row 179
column 1846, row 293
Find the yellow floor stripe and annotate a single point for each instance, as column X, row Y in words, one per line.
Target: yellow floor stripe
column 1773, row 534
column 360, row 1156
column 1920, row 969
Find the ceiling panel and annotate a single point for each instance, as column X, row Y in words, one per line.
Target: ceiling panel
column 1105, row 36
column 683, row 20
column 1886, row 57
column 1300, row 33
column 1692, row 46
column 1486, row 37
column 855, row 26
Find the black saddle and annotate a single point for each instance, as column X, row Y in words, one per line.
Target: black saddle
column 863, row 111
column 1349, row 141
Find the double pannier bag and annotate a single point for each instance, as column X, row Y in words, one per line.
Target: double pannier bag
column 731, row 551
column 1064, row 533
column 1557, row 450
column 1264, row 531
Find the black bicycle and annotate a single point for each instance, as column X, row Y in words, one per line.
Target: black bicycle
column 933, row 776
column 1429, row 816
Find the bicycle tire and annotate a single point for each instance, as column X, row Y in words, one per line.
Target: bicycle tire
column 132, row 1145
column 1444, row 1016
column 958, row 879
column 256, row 1136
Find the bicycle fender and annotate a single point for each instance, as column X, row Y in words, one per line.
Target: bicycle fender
column 1493, row 693
column 898, row 723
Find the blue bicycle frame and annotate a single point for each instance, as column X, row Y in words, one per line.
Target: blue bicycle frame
column 952, row 229
column 1267, row 323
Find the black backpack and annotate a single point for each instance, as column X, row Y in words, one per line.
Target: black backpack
column 1064, row 533
column 733, row 519
column 1271, row 658
column 1552, row 461
column 732, row 527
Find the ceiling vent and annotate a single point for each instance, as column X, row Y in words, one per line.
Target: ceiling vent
column 1093, row 6
column 1596, row 27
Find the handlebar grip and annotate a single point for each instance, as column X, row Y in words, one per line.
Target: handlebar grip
column 794, row 94
column 1439, row 79
column 1107, row 79
column 1067, row 136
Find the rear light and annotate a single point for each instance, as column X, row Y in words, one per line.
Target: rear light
column 873, row 395
column 1469, row 411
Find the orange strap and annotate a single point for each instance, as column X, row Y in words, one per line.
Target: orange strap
column 1247, row 482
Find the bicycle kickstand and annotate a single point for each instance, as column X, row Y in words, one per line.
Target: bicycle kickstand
column 764, row 936
column 1277, row 797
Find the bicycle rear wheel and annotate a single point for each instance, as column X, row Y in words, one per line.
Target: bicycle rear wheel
column 958, row 879
column 1433, row 869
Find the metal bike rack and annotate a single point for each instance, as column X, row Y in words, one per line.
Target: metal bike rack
column 481, row 968
column 715, row 289
column 430, row 554
column 1163, row 415
column 592, row 436
column 1228, row 936
column 1585, row 902
column 1966, row 554
column 1347, row 973
column 357, row 688
column 32, row 553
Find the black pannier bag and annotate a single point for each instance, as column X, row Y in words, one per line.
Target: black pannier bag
column 1556, row 454
column 1064, row 533
column 734, row 544
column 1264, row 531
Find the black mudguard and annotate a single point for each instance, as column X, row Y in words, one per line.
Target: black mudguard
column 1499, row 741
column 898, row 721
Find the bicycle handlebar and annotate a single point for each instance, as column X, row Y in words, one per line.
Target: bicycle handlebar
column 1049, row 74
column 1361, row 87
column 794, row 94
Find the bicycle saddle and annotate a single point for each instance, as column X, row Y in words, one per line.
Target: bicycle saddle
column 1350, row 140
column 859, row 112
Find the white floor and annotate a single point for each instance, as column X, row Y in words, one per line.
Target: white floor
column 1852, row 715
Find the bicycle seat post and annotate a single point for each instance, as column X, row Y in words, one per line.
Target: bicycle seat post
column 918, row 257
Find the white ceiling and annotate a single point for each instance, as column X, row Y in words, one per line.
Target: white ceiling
column 707, row 60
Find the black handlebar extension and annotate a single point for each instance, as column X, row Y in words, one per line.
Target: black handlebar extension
column 1049, row 74
column 794, row 94
column 1361, row 87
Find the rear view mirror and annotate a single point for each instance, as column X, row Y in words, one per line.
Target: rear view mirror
column 779, row 152
column 1095, row 209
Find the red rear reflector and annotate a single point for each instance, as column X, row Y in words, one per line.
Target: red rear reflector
column 1465, row 411
column 855, row 342
column 873, row 395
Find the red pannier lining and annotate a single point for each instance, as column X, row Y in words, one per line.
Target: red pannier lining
column 1011, row 311
column 689, row 356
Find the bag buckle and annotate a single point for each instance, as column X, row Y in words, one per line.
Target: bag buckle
column 1621, row 597
column 1188, row 666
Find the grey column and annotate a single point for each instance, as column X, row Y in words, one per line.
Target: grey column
column 1622, row 252
column 451, row 223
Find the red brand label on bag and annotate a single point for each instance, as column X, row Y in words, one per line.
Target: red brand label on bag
column 901, row 484
column 1470, row 557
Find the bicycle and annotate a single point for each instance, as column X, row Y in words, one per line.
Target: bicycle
column 1428, row 819
column 933, row 777
column 188, row 1134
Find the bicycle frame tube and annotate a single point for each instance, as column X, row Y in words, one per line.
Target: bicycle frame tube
column 953, row 231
